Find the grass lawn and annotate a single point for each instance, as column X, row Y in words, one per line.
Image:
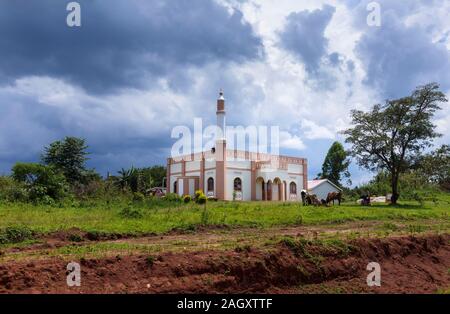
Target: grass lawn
column 159, row 217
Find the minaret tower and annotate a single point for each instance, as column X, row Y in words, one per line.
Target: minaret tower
column 220, row 113
column 221, row 149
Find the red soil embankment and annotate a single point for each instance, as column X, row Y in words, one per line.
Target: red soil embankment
column 408, row 265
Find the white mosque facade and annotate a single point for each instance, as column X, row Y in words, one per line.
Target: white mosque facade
column 231, row 174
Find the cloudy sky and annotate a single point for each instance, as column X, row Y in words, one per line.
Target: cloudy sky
column 135, row 69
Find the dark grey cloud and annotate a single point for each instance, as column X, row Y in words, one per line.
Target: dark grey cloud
column 28, row 124
column 397, row 58
column 121, row 43
column 303, row 35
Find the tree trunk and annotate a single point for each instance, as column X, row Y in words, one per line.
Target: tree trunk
column 395, row 194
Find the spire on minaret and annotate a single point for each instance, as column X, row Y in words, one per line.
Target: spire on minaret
column 220, row 102
column 220, row 113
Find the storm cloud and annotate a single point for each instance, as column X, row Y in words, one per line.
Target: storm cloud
column 304, row 36
column 399, row 56
column 137, row 68
column 120, row 43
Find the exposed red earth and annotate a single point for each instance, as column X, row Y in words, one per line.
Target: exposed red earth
column 409, row 264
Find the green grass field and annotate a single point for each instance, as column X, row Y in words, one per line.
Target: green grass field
column 159, row 217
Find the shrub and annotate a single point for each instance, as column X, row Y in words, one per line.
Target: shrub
column 75, row 238
column 200, row 197
column 138, row 197
column 129, row 212
column 11, row 190
column 187, row 198
column 172, row 197
column 15, row 234
column 92, row 189
column 94, row 235
column 40, row 180
column 198, row 193
column 150, row 260
column 17, row 193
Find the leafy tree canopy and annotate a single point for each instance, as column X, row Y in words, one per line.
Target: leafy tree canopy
column 335, row 164
column 392, row 136
column 69, row 156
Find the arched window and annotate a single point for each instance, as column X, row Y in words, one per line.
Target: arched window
column 175, row 187
column 210, row 185
column 293, row 188
column 237, row 184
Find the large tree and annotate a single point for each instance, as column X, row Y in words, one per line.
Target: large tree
column 392, row 136
column 69, row 156
column 335, row 164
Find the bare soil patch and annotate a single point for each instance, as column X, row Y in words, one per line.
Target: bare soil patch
column 409, row 265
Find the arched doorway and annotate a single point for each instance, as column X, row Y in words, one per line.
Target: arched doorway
column 277, row 190
column 292, row 190
column 269, row 190
column 260, row 192
column 210, row 187
column 237, row 189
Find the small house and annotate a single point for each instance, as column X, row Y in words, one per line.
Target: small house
column 322, row 187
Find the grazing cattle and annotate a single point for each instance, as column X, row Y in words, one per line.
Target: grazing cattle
column 314, row 200
column 304, row 195
column 334, row 196
column 311, row 199
column 365, row 199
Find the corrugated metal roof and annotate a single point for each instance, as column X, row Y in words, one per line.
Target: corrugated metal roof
column 315, row 183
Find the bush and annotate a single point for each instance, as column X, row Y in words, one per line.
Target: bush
column 412, row 186
column 150, row 260
column 129, row 212
column 40, row 181
column 138, row 197
column 201, row 199
column 92, row 189
column 11, row 190
column 75, row 238
column 172, row 197
column 15, row 234
column 198, row 193
column 17, row 193
column 187, row 199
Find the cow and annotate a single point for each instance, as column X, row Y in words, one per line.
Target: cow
column 310, row 199
column 334, row 196
column 314, row 200
column 304, row 195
